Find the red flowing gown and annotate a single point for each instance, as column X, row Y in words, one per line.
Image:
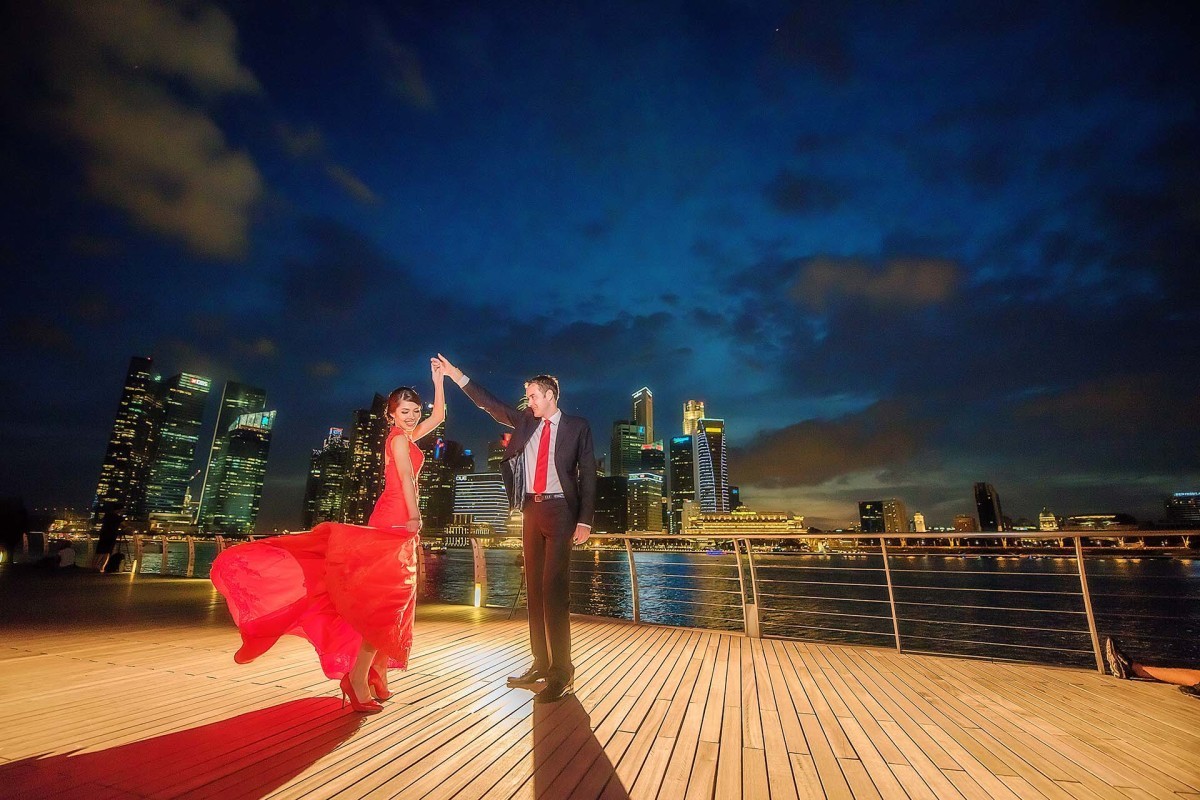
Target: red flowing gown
column 335, row 585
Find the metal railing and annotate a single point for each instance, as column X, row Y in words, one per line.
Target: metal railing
column 1047, row 603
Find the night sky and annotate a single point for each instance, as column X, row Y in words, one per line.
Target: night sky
column 898, row 247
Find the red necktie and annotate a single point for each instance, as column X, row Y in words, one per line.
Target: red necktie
column 543, row 462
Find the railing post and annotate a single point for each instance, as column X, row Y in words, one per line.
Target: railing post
column 633, row 581
column 753, row 629
column 24, row 544
column 191, row 564
column 420, row 569
column 162, row 568
column 480, row 571
column 136, row 566
column 887, row 574
column 1087, row 604
column 220, row 544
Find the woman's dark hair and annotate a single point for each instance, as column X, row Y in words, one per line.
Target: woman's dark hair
column 398, row 396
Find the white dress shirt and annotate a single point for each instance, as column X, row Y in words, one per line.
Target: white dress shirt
column 553, row 484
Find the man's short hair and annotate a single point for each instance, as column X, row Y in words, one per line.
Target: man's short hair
column 548, row 383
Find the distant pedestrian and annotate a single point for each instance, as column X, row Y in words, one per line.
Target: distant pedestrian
column 14, row 524
column 1125, row 668
column 110, row 531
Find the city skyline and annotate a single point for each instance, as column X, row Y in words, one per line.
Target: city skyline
column 900, row 249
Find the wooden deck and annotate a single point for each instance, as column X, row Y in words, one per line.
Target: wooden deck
column 120, row 688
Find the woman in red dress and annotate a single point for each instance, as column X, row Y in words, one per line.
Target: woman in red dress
column 350, row 590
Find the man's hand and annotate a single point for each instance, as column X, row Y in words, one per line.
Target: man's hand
column 454, row 372
column 582, row 532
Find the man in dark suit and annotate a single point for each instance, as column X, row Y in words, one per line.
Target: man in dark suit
column 549, row 471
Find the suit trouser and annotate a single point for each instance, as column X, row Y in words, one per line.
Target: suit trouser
column 546, row 536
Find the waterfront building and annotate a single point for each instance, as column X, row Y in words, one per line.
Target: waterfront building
column 681, row 480
column 364, row 478
column 895, row 516
column 324, row 494
column 612, row 504
column 711, row 465
column 744, row 521
column 1183, row 509
column 482, row 495
column 236, row 399
column 182, row 398
column 464, row 527
column 643, row 412
column 236, row 498
column 625, row 455
column 1047, row 521
column 130, row 444
column 693, row 412
column 645, row 491
column 1100, row 522
column 870, row 516
column 987, row 505
column 965, row 523
column 653, row 459
column 918, row 522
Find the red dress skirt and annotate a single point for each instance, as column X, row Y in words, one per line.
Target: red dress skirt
column 335, row 585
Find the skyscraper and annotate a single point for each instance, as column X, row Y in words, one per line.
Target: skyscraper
column 435, row 490
column 653, row 459
column 643, row 412
column 681, row 480
column 919, row 522
column 496, row 452
column 1183, row 509
column 735, row 498
column 711, row 465
column 482, row 495
column 693, row 411
column 364, row 478
column 870, row 516
column 237, row 497
column 645, row 491
column 987, row 503
column 130, row 445
column 625, row 455
column 183, row 398
column 612, row 504
column 244, row 466
column 324, row 495
column 895, row 516
column 236, row 399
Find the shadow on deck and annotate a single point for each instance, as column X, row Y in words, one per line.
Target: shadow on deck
column 125, row 688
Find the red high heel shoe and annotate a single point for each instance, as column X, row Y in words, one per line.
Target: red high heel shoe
column 375, row 679
column 368, row 707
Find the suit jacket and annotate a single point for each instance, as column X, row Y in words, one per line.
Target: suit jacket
column 574, row 456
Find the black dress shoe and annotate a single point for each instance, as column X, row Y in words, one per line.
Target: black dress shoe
column 527, row 679
column 556, row 689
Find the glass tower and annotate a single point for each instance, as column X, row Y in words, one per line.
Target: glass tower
column 693, row 411
column 870, row 516
column 183, row 398
column 645, row 501
column 681, row 480
column 244, row 466
column 324, row 493
column 364, row 478
column 626, row 451
column 127, row 460
column 987, row 503
column 643, row 412
column 236, row 399
column 711, row 465
column 481, row 494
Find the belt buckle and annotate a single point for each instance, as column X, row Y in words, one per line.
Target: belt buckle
column 537, row 498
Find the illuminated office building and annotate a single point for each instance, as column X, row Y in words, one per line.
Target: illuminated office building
column 482, row 495
column 643, row 412
column 324, row 494
column 236, row 399
column 895, row 516
column 645, row 492
column 693, row 411
column 364, row 478
column 612, row 505
column 987, row 504
column 735, row 498
column 182, row 397
column 919, row 522
column 1183, row 509
column 965, row 523
column 625, row 455
column 681, row 480
column 711, row 465
column 130, row 444
column 235, row 500
column 653, row 459
column 870, row 516
column 435, row 488
column 496, row 452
